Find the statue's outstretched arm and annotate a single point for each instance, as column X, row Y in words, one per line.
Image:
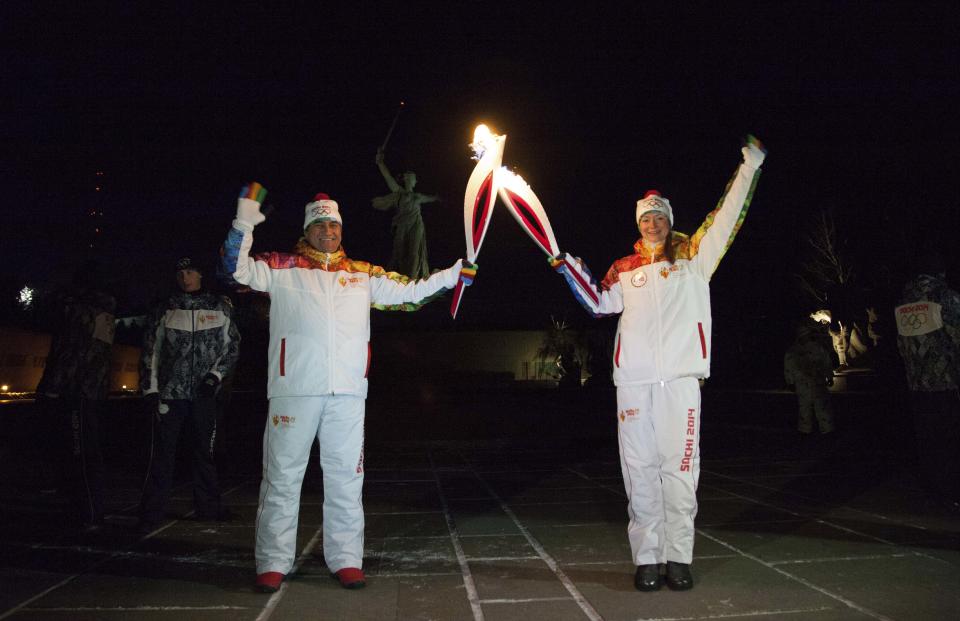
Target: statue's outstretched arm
column 391, row 182
column 429, row 198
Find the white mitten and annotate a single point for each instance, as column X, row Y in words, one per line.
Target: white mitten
column 753, row 152
column 248, row 206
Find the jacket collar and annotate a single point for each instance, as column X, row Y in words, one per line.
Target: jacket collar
column 304, row 249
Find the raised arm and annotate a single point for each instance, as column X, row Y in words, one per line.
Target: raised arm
column 235, row 257
column 391, row 182
column 721, row 225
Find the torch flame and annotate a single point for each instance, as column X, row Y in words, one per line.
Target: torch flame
column 483, row 139
column 511, row 179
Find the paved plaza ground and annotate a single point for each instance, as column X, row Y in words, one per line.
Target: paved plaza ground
column 516, row 512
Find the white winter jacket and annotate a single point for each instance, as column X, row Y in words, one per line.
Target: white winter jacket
column 664, row 329
column 320, row 313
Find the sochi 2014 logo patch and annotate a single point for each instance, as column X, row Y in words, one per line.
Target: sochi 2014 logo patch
column 320, row 211
column 283, row 420
column 666, row 271
column 639, row 279
column 628, row 415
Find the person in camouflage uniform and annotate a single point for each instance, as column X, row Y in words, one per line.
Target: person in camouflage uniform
column 928, row 337
column 808, row 367
column 74, row 387
column 190, row 344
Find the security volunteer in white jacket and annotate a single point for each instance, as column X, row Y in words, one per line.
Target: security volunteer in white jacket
column 319, row 356
column 662, row 350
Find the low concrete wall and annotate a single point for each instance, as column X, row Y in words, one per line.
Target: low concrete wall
column 23, row 356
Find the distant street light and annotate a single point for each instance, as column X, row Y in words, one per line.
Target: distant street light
column 25, row 297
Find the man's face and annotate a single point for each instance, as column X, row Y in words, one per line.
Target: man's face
column 189, row 280
column 654, row 227
column 324, row 236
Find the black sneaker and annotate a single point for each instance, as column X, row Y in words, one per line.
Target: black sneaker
column 678, row 576
column 647, row 578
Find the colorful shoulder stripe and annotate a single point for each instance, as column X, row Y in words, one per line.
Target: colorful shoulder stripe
column 708, row 222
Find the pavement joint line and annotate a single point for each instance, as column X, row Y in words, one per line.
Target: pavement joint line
column 847, row 602
column 558, row 502
column 274, row 600
column 722, row 524
column 809, row 517
column 833, row 525
column 404, row 512
column 494, row 559
column 629, row 562
column 524, row 600
column 140, row 608
column 831, row 559
column 381, row 574
column 740, row 615
column 91, row 567
column 815, row 500
column 825, row 522
column 473, row 597
column 571, row 588
column 406, row 537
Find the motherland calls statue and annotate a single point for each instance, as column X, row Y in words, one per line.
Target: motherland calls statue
column 409, row 235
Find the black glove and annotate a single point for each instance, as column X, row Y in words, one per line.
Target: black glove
column 208, row 386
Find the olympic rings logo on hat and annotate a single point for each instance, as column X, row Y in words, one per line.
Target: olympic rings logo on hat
column 320, row 210
column 913, row 321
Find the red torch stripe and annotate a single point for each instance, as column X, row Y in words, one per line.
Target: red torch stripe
column 584, row 285
column 526, row 214
column 283, row 355
column 703, row 340
column 484, row 196
column 616, row 357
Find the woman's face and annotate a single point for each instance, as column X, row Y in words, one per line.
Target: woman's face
column 654, row 227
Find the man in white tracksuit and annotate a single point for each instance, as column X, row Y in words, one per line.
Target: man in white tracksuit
column 319, row 356
column 661, row 351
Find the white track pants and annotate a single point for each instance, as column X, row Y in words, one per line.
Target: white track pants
column 659, row 433
column 337, row 422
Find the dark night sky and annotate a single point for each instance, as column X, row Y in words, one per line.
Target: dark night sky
column 856, row 102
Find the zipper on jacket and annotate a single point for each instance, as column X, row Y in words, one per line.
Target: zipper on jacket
column 659, row 353
column 193, row 352
column 331, row 332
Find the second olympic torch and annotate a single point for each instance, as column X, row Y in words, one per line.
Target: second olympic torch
column 480, row 196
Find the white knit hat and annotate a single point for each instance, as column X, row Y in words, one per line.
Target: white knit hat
column 653, row 201
column 321, row 208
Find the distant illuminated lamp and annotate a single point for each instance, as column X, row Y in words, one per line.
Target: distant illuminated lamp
column 4, row 388
column 25, row 297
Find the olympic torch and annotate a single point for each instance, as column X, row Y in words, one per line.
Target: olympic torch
column 479, row 197
column 526, row 209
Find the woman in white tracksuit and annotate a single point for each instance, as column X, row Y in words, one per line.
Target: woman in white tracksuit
column 661, row 352
column 319, row 355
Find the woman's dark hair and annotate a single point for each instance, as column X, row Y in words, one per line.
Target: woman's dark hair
column 669, row 250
